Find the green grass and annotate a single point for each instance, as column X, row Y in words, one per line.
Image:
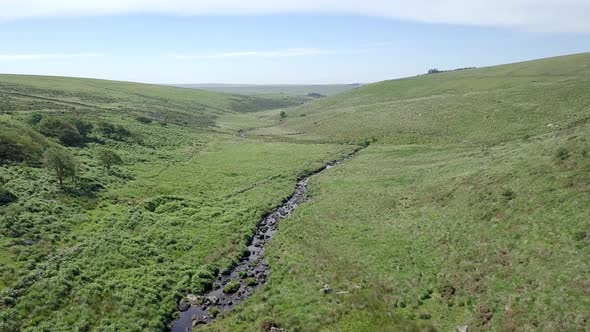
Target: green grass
column 277, row 89
column 462, row 211
column 181, row 207
column 479, row 106
column 468, row 205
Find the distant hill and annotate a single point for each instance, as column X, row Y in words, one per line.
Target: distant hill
column 485, row 105
column 290, row 90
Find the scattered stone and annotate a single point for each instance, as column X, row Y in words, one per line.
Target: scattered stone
column 183, row 306
column 241, row 278
column 195, row 299
column 199, row 320
column 464, row 328
column 326, row 290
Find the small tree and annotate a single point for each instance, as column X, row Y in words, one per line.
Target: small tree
column 283, row 114
column 108, row 158
column 61, row 162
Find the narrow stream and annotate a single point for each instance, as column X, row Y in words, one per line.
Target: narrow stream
column 250, row 273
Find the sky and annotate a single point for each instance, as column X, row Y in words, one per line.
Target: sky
column 281, row 42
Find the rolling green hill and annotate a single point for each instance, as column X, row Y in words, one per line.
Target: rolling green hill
column 277, row 89
column 116, row 245
column 478, row 106
column 467, row 206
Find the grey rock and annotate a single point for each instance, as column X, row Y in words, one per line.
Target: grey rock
column 183, row 305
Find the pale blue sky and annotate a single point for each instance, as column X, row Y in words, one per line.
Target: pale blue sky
column 284, row 46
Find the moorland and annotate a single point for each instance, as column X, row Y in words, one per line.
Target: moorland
column 467, row 205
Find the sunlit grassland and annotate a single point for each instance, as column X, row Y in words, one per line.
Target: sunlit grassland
column 181, row 207
column 478, row 106
column 468, row 208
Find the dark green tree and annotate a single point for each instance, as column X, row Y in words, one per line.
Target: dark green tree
column 107, row 158
column 61, row 162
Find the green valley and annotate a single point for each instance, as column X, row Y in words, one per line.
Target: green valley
column 465, row 208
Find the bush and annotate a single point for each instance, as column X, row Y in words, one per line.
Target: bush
column 107, row 158
column 508, row 194
column 562, row 153
column 213, row 312
column 34, row 118
column 143, row 119
column 67, row 133
column 84, row 127
column 115, row 132
column 6, row 197
column 61, row 162
column 251, row 282
column 283, row 114
column 20, row 145
column 231, row 287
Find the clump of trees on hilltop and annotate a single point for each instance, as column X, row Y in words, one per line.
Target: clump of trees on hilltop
column 43, row 140
column 438, row 71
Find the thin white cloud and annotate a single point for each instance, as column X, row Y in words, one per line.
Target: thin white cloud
column 46, row 56
column 542, row 15
column 293, row 52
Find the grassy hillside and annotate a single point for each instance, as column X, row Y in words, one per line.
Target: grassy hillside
column 465, row 209
column 468, row 205
column 478, row 106
column 115, row 248
column 280, row 89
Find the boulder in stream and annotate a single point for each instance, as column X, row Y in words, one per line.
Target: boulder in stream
column 183, row 306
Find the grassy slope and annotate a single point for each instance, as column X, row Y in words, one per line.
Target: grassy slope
column 181, row 207
column 289, row 90
column 466, row 210
column 488, row 105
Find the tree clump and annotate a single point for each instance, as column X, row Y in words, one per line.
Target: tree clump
column 70, row 132
column 20, row 145
column 61, row 162
column 6, row 197
column 108, row 158
column 114, row 132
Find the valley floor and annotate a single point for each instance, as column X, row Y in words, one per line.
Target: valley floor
column 425, row 236
column 467, row 207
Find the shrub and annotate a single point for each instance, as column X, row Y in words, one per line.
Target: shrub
column 231, row 287
column 34, row 118
column 20, row 145
column 6, row 197
column 213, row 312
column 143, row 119
column 251, row 282
column 61, row 162
column 112, row 131
column 84, row 127
column 283, row 114
column 108, row 158
column 562, row 153
column 508, row 194
column 67, row 133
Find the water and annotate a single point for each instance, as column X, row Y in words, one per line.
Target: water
column 252, row 270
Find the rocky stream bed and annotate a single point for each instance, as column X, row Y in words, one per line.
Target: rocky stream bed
column 234, row 285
